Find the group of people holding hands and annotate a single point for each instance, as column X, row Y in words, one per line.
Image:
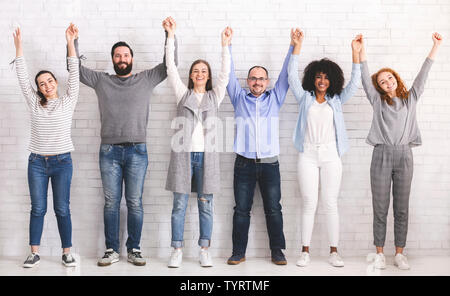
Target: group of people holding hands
column 319, row 136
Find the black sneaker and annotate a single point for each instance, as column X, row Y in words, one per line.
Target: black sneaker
column 278, row 257
column 32, row 260
column 68, row 260
column 235, row 259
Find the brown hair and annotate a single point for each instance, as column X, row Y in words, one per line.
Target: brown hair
column 208, row 83
column 43, row 100
column 401, row 90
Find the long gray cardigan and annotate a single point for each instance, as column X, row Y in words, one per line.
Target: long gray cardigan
column 179, row 177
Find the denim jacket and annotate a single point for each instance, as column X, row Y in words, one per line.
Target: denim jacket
column 306, row 98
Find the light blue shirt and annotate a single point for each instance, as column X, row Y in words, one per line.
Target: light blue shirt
column 257, row 124
column 306, row 98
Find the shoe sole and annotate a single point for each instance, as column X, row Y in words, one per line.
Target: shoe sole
column 136, row 263
column 73, row 264
column 108, row 263
column 31, row 265
column 279, row 262
column 235, row 262
column 401, row 268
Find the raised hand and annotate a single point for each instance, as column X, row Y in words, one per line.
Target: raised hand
column 71, row 33
column 357, row 43
column 170, row 26
column 18, row 42
column 227, row 35
column 297, row 37
column 437, row 38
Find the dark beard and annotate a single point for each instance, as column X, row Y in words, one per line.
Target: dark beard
column 124, row 71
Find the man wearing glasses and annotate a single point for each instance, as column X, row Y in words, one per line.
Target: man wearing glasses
column 256, row 144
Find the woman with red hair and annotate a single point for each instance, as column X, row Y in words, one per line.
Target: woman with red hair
column 393, row 132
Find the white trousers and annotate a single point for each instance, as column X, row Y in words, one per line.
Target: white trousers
column 319, row 170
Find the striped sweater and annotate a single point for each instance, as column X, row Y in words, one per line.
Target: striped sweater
column 50, row 125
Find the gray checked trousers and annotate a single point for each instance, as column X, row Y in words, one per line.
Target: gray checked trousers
column 391, row 165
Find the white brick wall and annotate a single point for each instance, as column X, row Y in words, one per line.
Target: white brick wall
column 398, row 35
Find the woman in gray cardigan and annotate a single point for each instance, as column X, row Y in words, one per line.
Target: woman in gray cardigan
column 194, row 160
column 393, row 132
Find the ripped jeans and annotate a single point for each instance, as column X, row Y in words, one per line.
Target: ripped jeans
column 205, row 207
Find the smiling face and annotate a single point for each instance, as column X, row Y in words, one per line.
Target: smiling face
column 122, row 60
column 199, row 75
column 257, row 81
column 388, row 83
column 47, row 85
column 321, row 82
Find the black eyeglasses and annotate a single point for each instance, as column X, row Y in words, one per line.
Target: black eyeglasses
column 253, row 79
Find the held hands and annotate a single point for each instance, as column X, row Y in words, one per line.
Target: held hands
column 71, row 33
column 357, row 43
column 297, row 37
column 170, row 26
column 227, row 35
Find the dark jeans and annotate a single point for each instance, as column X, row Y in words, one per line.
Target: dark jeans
column 42, row 169
column 246, row 174
column 123, row 165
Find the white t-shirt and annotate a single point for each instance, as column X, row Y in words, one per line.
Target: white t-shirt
column 320, row 124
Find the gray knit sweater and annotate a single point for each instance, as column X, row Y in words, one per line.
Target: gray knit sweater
column 395, row 124
column 124, row 102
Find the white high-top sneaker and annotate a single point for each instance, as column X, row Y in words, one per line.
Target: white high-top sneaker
column 205, row 258
column 175, row 258
column 401, row 261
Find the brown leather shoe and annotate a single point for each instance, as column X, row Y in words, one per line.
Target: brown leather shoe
column 236, row 259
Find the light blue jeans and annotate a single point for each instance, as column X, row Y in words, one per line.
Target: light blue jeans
column 123, row 164
column 205, row 207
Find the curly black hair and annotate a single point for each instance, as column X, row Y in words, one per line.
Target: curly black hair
column 328, row 67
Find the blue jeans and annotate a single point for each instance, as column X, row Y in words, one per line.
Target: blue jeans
column 205, row 207
column 58, row 169
column 246, row 174
column 123, row 164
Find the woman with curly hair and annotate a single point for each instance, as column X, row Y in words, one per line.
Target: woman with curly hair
column 321, row 139
column 393, row 132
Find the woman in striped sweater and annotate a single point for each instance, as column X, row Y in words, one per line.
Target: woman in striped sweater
column 50, row 146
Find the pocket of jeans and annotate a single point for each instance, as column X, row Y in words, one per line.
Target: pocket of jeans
column 276, row 163
column 105, row 148
column 64, row 159
column 240, row 163
column 31, row 158
column 141, row 148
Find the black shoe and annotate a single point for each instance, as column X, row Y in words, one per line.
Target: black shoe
column 278, row 257
column 32, row 260
column 68, row 260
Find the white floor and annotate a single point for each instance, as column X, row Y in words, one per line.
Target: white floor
column 354, row 266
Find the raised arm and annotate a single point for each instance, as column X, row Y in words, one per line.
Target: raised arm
column 282, row 85
column 371, row 93
column 295, row 84
column 157, row 74
column 355, row 78
column 418, row 85
column 222, row 79
column 72, row 61
column 234, row 89
column 173, row 76
column 22, row 73
column 87, row 76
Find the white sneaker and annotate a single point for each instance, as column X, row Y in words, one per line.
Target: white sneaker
column 205, row 258
column 335, row 260
column 401, row 262
column 109, row 258
column 175, row 258
column 304, row 259
column 378, row 260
